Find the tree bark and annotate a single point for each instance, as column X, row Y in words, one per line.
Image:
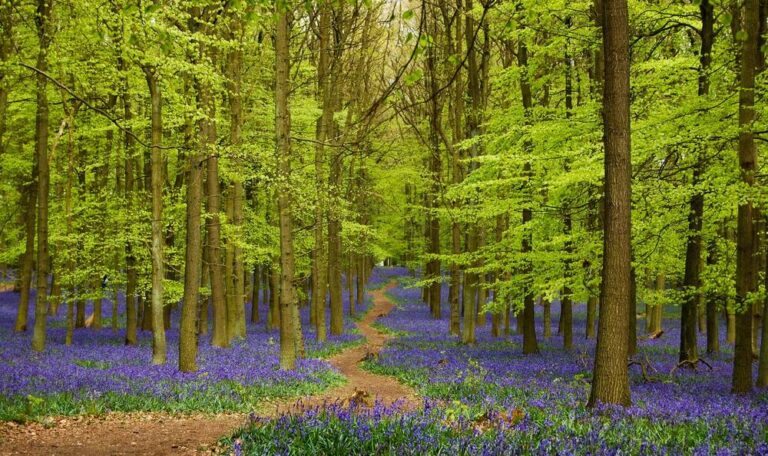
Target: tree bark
column 692, row 281
column 610, row 381
column 469, row 297
column 28, row 259
column 235, row 69
column 288, row 351
column 156, row 185
column 565, row 326
column 255, row 295
column 42, row 21
column 745, row 249
column 188, row 329
column 222, row 331
column 530, row 344
column 323, row 133
column 762, row 368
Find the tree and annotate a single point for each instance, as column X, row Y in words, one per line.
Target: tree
column 692, row 281
column 288, row 352
column 43, row 23
column 610, row 380
column 158, row 240
column 746, row 275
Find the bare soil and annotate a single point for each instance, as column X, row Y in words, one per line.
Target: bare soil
column 167, row 434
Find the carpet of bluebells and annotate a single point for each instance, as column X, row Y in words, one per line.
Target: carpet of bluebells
column 98, row 373
column 491, row 399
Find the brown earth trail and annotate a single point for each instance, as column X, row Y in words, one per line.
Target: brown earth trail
column 166, row 434
column 384, row 388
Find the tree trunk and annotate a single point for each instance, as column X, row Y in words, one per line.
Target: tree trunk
column 288, row 351
column 468, row 298
column 610, row 381
column 530, row 344
column 273, row 321
column 713, row 326
column 361, row 280
column 229, row 269
column 97, row 300
column 240, row 294
column 655, row 313
column 351, row 284
column 255, row 295
column 156, row 160
column 762, row 369
column 334, row 251
column 745, row 251
column 69, row 216
column 692, row 281
column 28, row 259
column 221, row 330
column 632, row 329
column 42, row 20
column 188, row 328
column 435, row 175
column 565, row 326
column 235, row 69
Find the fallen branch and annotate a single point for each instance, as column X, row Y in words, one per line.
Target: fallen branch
column 645, row 366
column 690, row 363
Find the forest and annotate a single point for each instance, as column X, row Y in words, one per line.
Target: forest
column 383, row 227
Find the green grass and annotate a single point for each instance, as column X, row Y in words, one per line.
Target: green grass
column 329, row 350
column 91, row 364
column 381, row 327
column 225, row 396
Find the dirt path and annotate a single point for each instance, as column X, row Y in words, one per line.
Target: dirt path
column 361, row 385
column 165, row 434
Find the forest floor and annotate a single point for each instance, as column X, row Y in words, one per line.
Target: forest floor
column 164, row 433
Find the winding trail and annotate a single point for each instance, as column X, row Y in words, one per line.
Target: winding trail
column 384, row 388
column 167, row 434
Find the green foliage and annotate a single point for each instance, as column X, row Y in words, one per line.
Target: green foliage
column 228, row 396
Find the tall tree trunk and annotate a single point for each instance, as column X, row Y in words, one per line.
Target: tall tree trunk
column 547, row 317
column 273, row 320
column 565, row 326
column 255, row 294
column 692, row 281
column 469, row 297
column 361, row 280
column 762, row 369
column 288, row 351
column 656, row 312
column 42, row 21
column 610, row 381
column 188, row 329
column 713, row 326
column 745, row 251
column 457, row 175
column 632, row 329
column 229, row 269
column 158, row 268
column 204, row 300
column 69, row 216
column 351, row 283
column 334, row 251
column 28, row 259
column 435, row 174
column 221, row 328
column 530, row 344
column 323, row 133
column 235, row 68
column 239, row 192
